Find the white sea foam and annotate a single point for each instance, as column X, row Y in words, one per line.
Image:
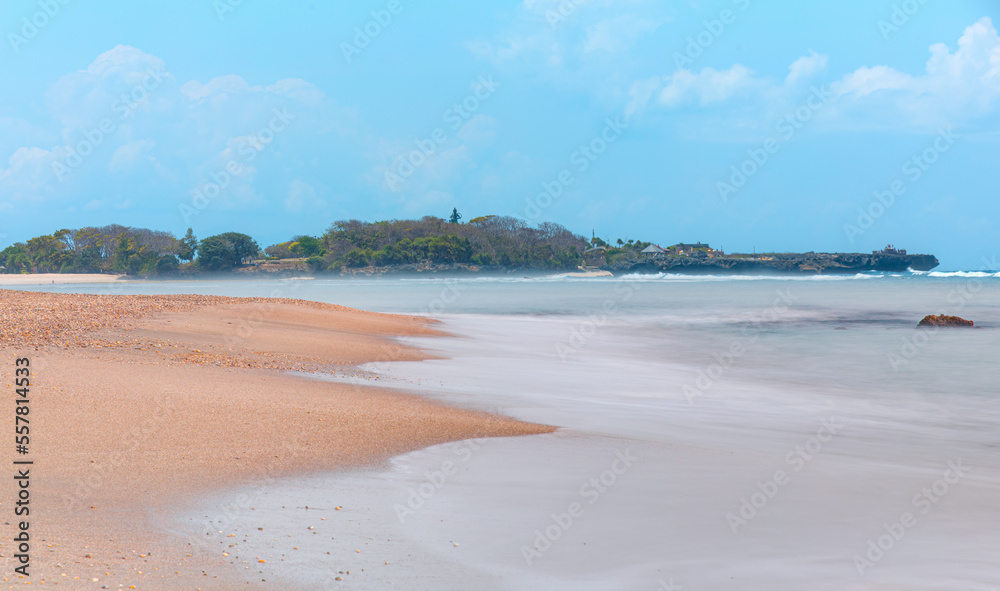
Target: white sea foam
column 736, row 278
column 969, row 274
column 616, row 384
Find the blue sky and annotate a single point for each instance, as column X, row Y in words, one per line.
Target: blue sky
column 745, row 124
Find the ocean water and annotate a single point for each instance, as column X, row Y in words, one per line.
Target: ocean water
column 715, row 433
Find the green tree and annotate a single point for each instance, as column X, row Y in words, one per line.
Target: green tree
column 43, row 252
column 455, row 216
column 244, row 246
column 487, row 240
column 166, row 264
column 106, row 249
column 215, row 253
column 307, row 246
column 123, row 252
column 15, row 258
column 225, row 251
column 188, row 248
column 358, row 257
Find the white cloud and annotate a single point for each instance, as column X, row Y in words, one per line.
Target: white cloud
column 232, row 84
column 481, row 128
column 619, row 33
column 119, row 80
column 706, row 87
column 640, row 94
column 805, row 68
column 712, row 86
column 298, row 89
column 557, row 34
column 224, row 85
column 126, row 156
column 868, row 80
column 122, row 60
column 127, row 110
column 27, row 174
column 24, row 159
column 19, row 130
column 407, row 170
column 26, row 177
column 956, row 86
column 302, row 196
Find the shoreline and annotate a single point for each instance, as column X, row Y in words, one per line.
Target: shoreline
column 142, row 403
column 56, row 278
column 692, row 464
column 648, row 268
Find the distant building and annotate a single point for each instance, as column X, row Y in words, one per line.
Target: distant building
column 690, row 247
column 594, row 257
column 890, row 249
column 653, row 250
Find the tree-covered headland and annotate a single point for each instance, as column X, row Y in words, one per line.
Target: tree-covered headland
column 500, row 242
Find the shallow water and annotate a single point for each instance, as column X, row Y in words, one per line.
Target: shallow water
column 709, row 386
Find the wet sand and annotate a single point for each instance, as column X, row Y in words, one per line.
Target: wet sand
column 141, row 403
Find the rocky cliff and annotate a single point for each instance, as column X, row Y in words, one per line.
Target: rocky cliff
column 809, row 263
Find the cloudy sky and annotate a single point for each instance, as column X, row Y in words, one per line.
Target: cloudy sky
column 746, row 124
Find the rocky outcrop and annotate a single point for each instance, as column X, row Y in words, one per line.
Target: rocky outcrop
column 942, row 320
column 807, row 263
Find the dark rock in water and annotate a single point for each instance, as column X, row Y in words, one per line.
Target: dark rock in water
column 943, row 320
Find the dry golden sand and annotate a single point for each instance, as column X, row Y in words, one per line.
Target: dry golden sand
column 140, row 403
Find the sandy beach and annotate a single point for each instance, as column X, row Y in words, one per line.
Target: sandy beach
column 57, row 278
column 140, row 403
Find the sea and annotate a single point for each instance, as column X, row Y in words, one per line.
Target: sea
column 715, row 432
